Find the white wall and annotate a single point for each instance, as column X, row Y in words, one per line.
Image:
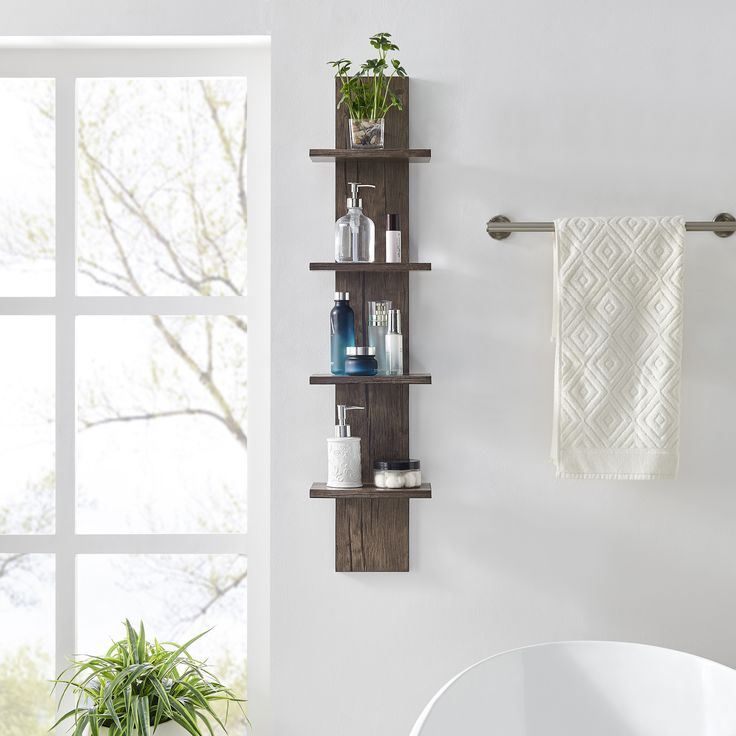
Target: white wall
column 535, row 109
column 134, row 17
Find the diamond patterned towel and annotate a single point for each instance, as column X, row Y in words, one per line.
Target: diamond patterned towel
column 618, row 334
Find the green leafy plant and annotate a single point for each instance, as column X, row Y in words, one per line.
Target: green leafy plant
column 368, row 95
column 138, row 685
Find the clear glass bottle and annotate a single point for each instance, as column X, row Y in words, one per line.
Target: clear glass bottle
column 355, row 234
column 342, row 332
column 377, row 329
column 394, row 344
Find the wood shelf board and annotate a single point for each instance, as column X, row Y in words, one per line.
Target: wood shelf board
column 417, row 155
column 327, row 379
column 369, row 267
column 321, row 490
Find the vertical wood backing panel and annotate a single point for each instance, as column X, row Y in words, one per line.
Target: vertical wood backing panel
column 373, row 534
column 341, row 120
column 388, row 422
column 396, row 126
column 374, row 200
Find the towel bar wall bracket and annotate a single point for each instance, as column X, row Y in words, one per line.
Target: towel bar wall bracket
column 498, row 234
column 724, row 217
column 500, row 227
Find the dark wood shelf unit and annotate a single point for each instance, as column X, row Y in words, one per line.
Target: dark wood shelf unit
column 321, row 490
column 412, row 379
column 371, row 525
column 415, row 155
column 369, row 267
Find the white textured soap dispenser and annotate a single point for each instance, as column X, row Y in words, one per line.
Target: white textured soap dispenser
column 343, row 454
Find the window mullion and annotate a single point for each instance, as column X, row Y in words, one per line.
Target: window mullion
column 153, row 544
column 106, row 305
column 65, row 369
column 128, row 544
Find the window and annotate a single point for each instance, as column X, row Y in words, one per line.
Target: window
column 133, row 193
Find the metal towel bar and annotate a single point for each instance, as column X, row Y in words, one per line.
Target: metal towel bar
column 500, row 227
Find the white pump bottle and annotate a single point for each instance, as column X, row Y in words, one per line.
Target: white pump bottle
column 343, row 454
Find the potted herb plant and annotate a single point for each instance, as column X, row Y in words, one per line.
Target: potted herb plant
column 368, row 95
column 144, row 688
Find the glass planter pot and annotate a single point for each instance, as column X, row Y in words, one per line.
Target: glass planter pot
column 366, row 133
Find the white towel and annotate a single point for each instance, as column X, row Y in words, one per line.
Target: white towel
column 618, row 333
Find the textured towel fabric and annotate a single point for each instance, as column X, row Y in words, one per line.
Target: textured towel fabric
column 618, row 334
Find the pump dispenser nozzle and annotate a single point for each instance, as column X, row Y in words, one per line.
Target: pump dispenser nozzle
column 342, row 429
column 353, row 199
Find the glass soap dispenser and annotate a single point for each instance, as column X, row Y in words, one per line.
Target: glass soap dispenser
column 355, row 234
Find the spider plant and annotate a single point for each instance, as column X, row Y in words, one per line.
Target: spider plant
column 139, row 685
column 368, row 95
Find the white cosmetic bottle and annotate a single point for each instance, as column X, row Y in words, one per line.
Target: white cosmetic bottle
column 393, row 239
column 343, row 454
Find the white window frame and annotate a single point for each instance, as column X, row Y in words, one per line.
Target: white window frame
column 66, row 59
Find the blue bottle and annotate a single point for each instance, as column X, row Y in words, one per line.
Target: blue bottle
column 342, row 332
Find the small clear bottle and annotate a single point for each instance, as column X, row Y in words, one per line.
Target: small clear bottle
column 394, row 344
column 377, row 329
column 355, row 234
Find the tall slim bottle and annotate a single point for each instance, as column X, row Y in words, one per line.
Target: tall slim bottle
column 394, row 344
column 342, row 332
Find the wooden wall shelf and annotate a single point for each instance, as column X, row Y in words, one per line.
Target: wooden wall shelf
column 372, row 525
column 369, row 267
column 321, row 490
column 416, row 155
column 327, row 379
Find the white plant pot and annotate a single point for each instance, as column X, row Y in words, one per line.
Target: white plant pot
column 165, row 729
